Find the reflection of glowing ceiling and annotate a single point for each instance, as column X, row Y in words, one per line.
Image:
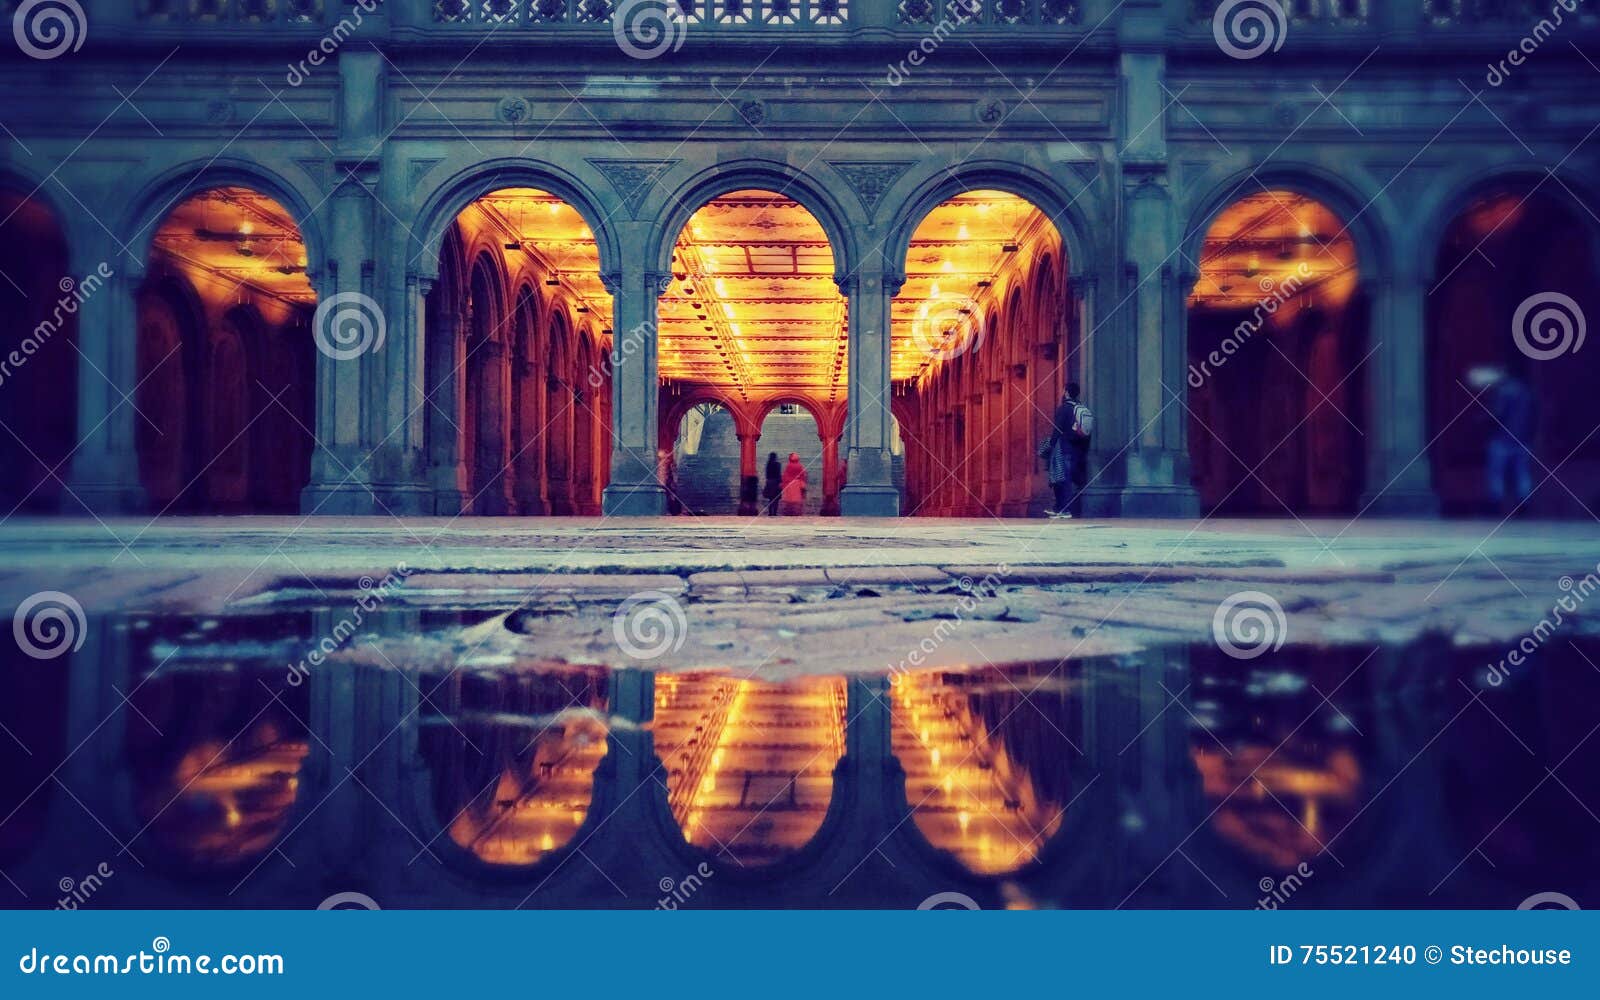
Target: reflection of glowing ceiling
column 753, row 306
column 1261, row 241
column 959, row 262
column 538, row 225
column 241, row 238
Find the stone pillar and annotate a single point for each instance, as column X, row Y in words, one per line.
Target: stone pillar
column 749, row 475
column 530, row 421
column 1399, row 474
column 351, row 325
column 871, row 491
column 492, row 495
column 105, row 467
column 445, row 410
column 399, row 458
column 1156, row 481
column 559, row 443
column 830, row 475
column 635, row 487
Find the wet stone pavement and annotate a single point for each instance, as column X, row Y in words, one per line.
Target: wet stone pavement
column 1235, row 714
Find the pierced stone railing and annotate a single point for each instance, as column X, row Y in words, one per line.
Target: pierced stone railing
column 292, row 12
column 1345, row 12
column 992, row 12
column 1451, row 13
column 713, row 12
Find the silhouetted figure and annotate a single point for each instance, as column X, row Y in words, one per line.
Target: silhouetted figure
column 793, row 497
column 1067, row 450
column 774, row 485
column 1508, row 452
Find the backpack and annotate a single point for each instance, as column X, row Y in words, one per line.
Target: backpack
column 1082, row 422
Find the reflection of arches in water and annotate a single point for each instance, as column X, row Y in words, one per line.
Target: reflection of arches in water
column 1283, row 770
column 513, row 758
column 33, row 741
column 987, row 756
column 749, row 764
column 216, row 757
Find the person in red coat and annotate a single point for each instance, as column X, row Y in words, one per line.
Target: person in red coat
column 793, row 498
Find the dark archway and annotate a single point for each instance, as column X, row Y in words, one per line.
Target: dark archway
column 39, row 302
column 1277, row 339
column 1515, row 284
column 226, row 357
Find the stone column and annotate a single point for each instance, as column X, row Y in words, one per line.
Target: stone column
column 1399, row 474
column 105, row 466
column 445, row 410
column 749, row 475
column 529, row 460
column 635, row 487
column 830, row 475
column 493, row 439
column 351, row 326
column 1156, row 481
column 871, row 491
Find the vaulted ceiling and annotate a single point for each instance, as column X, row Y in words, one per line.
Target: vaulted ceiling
column 1261, row 241
column 963, row 256
column 239, row 237
column 753, row 308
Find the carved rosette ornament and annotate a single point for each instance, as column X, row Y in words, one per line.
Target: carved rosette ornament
column 871, row 180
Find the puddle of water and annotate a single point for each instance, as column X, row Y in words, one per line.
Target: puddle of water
column 1359, row 776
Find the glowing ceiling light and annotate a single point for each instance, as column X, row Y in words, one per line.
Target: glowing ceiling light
column 934, row 289
column 947, row 267
column 722, row 287
column 962, row 232
column 245, row 228
column 727, row 310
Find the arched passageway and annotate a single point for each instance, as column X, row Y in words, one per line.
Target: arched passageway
column 517, row 332
column 753, row 316
column 1515, row 286
column 1277, row 344
column 226, row 358
column 701, row 466
column 39, row 301
column 980, row 355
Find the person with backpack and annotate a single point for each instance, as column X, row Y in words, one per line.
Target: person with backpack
column 1067, row 450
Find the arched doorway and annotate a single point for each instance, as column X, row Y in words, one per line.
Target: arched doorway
column 793, row 429
column 1277, row 340
column 753, row 315
column 702, row 461
column 1515, row 286
column 979, row 355
column 226, row 358
column 39, row 302
column 515, row 385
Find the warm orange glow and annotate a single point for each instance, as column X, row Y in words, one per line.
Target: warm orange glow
column 749, row 764
column 1278, row 814
column 753, row 306
column 1274, row 242
column 230, row 236
column 527, row 223
column 963, row 259
column 967, row 794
